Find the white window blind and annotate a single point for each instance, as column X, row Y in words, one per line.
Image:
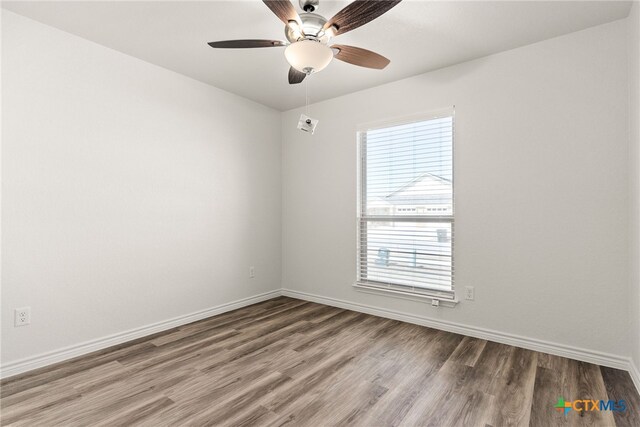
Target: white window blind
column 405, row 215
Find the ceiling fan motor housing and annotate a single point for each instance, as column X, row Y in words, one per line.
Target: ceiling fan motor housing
column 312, row 24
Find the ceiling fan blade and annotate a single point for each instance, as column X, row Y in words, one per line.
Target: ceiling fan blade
column 243, row 44
column 284, row 10
column 358, row 56
column 295, row 76
column 359, row 13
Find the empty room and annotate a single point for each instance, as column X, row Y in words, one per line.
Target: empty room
column 320, row 213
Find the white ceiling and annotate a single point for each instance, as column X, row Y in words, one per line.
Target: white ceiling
column 418, row 36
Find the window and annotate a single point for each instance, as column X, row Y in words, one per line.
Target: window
column 405, row 213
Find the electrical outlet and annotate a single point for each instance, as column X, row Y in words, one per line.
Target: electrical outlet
column 22, row 316
column 468, row 293
column 252, row 272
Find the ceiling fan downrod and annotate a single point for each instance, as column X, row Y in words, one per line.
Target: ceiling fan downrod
column 309, row 5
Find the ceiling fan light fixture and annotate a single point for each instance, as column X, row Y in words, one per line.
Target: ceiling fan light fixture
column 308, row 56
column 331, row 31
column 293, row 31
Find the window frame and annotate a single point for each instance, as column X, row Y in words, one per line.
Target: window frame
column 398, row 290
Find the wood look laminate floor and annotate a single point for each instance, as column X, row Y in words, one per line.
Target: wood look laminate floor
column 295, row 363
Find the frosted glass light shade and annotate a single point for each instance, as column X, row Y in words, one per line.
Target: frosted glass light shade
column 308, row 56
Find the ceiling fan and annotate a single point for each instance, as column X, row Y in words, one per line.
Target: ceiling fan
column 308, row 34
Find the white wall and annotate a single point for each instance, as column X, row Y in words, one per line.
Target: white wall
column 541, row 190
column 131, row 194
column 634, row 181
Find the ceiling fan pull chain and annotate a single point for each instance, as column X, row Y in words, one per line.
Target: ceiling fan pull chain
column 306, row 95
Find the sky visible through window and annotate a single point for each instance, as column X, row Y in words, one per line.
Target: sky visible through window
column 400, row 154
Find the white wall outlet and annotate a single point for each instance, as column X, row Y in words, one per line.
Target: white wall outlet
column 468, row 293
column 252, row 272
column 435, row 303
column 22, row 316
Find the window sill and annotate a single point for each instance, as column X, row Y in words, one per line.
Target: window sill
column 408, row 295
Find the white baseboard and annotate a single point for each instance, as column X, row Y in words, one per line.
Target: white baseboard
column 598, row 358
column 635, row 374
column 39, row 361
column 590, row 356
